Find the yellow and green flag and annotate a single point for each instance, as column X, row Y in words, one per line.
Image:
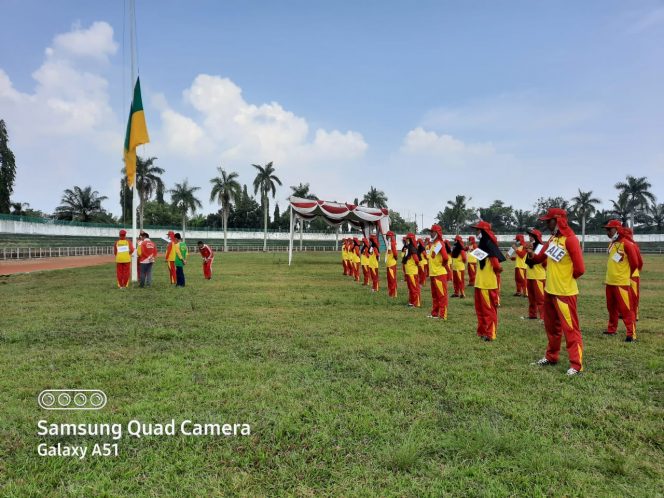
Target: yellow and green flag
column 137, row 133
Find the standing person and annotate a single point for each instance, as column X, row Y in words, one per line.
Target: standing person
column 411, row 263
column 181, row 252
column 344, row 257
column 486, row 282
column 636, row 276
column 438, row 258
column 364, row 261
column 170, row 257
column 427, row 247
column 459, row 267
column 355, row 253
column 208, row 257
column 519, row 255
column 622, row 263
column 472, row 261
column 422, row 266
column 147, row 254
column 374, row 257
column 123, row 249
column 391, row 264
column 535, row 279
column 563, row 267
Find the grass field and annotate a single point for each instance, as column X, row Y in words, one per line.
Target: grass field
column 347, row 393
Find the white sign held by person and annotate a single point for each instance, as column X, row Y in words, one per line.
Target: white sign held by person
column 479, row 254
column 555, row 252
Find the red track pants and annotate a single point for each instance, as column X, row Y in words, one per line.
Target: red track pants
column 356, row 271
column 472, row 271
column 486, row 308
column 413, row 284
column 392, row 281
column 535, row 298
column 520, row 280
column 207, row 269
column 122, row 273
column 620, row 301
column 439, row 296
column 365, row 274
column 345, row 265
column 374, row 278
column 421, row 275
column 459, row 285
column 561, row 317
column 171, row 271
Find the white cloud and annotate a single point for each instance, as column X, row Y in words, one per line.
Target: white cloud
column 96, row 42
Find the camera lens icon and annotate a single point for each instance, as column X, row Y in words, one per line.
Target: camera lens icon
column 72, row 399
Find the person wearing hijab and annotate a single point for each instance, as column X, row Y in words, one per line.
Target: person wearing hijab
column 355, row 253
column 636, row 276
column 411, row 263
column 344, row 257
column 535, row 279
column 622, row 263
column 472, row 261
column 564, row 265
column 374, row 256
column 391, row 264
column 123, row 249
column 459, row 267
column 364, row 261
column 422, row 266
column 438, row 258
column 519, row 254
column 486, row 282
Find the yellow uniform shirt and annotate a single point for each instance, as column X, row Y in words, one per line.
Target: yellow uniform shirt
column 617, row 272
column 559, row 274
column 520, row 262
column 471, row 258
column 171, row 254
column 458, row 264
column 391, row 260
column 486, row 277
column 436, row 266
column 537, row 272
column 124, row 251
column 373, row 259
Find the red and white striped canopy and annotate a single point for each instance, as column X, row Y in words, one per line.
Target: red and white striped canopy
column 336, row 213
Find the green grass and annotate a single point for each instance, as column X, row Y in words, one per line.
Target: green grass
column 347, row 393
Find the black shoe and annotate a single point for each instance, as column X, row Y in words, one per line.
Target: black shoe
column 454, row 295
column 629, row 339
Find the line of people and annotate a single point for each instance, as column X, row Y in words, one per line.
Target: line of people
column 147, row 253
column 546, row 273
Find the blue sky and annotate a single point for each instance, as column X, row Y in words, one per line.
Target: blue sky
column 424, row 100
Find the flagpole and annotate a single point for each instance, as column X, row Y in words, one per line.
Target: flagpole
column 134, row 190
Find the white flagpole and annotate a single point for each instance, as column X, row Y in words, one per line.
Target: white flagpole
column 134, row 234
column 134, row 190
column 290, row 237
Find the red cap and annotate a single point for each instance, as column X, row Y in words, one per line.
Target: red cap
column 471, row 239
column 535, row 233
column 482, row 225
column 613, row 224
column 458, row 238
column 554, row 213
column 123, row 232
column 437, row 229
column 390, row 233
column 411, row 236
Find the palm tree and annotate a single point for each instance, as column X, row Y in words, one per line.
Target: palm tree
column 638, row 194
column 18, row 208
column 148, row 182
column 623, row 207
column 584, row 206
column 656, row 215
column 81, row 204
column 266, row 182
column 184, row 200
column 375, row 198
column 225, row 189
column 459, row 212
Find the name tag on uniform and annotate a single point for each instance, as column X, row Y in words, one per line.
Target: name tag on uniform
column 123, row 248
column 510, row 253
column 555, row 253
column 479, row 254
column 617, row 257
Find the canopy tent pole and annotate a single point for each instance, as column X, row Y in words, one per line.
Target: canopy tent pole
column 301, row 232
column 290, row 238
column 336, row 238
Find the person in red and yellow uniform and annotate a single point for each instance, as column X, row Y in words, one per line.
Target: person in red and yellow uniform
column 535, row 278
column 123, row 249
column 519, row 255
column 364, row 261
column 438, row 258
column 207, row 254
column 636, row 276
column 344, row 257
column 355, row 253
column 459, row 267
column 563, row 267
column 374, row 256
column 472, row 261
column 147, row 254
column 391, row 264
column 427, row 248
column 422, row 266
column 622, row 263
column 486, row 282
column 170, row 257
column 411, row 263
